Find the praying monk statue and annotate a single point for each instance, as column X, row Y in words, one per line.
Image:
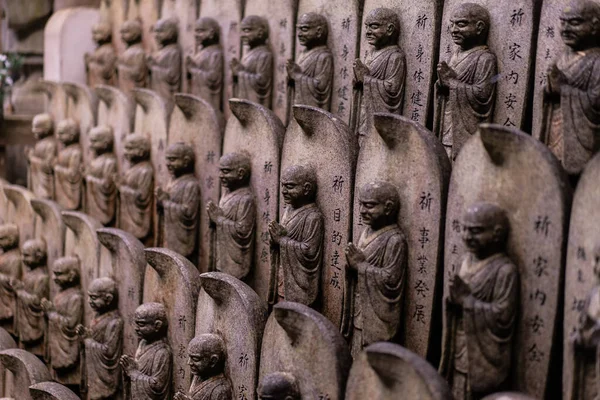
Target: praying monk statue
column 279, row 386
column 100, row 176
column 205, row 68
column 131, row 65
column 64, row 313
column 136, row 189
column 297, row 241
column 481, row 307
column 571, row 124
column 378, row 262
column 234, row 219
column 178, row 204
column 41, row 158
column 101, row 64
column 68, row 169
column 466, row 87
column 102, row 342
column 381, row 77
column 207, row 356
column 253, row 77
column 312, row 77
column 149, row 374
column 10, row 270
column 164, row 65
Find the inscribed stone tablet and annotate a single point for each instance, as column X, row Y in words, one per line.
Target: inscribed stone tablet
column 516, row 172
column 27, row 370
column 398, row 151
column 56, row 99
column 344, row 29
column 82, row 107
column 51, row 391
column 319, row 139
column 6, row 342
column 20, row 212
column 231, row 308
column 148, row 13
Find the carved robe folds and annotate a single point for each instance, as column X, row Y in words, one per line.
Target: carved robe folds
column 30, row 317
column 255, row 82
column 101, row 66
column 181, row 215
column 101, row 188
column 313, row 87
column 64, row 342
column 165, row 75
column 155, row 362
column 69, row 177
column 136, row 200
column 40, row 168
column 214, row 388
column 132, row 68
column 206, row 72
column 10, row 268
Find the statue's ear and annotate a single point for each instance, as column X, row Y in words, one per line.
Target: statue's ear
column 319, row 31
column 389, row 207
column 390, row 29
column 241, row 173
column 214, row 360
column 480, row 27
column 108, row 297
column 307, row 188
column 158, row 324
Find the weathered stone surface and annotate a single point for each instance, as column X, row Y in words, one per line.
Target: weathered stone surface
column 19, row 211
column 388, row 371
column 229, row 307
column 147, row 11
column 322, row 141
column 508, row 396
column 175, row 282
column 516, row 172
column 27, row 370
column 56, row 99
column 257, row 130
column 51, row 391
column 344, row 20
column 6, row 378
column 398, row 151
column 303, row 343
column 82, row 107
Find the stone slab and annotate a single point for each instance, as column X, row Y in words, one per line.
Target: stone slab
column 51, row 391
column 27, row 370
column 82, row 107
column 20, row 212
column 6, row 378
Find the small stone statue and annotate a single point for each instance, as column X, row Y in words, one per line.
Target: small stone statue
column 279, row 386
column 64, row 314
column 164, row 65
column 207, row 356
column 101, row 64
column 466, row 87
column 178, row 204
column 131, row 65
column 234, row 219
column 381, row 77
column 150, row 373
column 136, row 189
column 253, row 77
column 10, row 270
column 68, row 176
column 312, row 77
column 100, row 175
column 298, row 240
column 41, row 158
column 205, row 68
column 30, row 291
column 379, row 263
column 103, row 342
column 571, row 126
column 481, row 307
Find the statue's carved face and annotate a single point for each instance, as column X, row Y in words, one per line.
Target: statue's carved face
column 176, row 162
column 465, row 29
column 230, row 175
column 478, row 233
column 378, row 32
column 7, row 241
column 202, row 361
column 99, row 300
column 41, row 128
column 129, row 34
column 32, row 256
column 577, row 28
column 100, row 33
column 373, row 211
column 62, row 275
column 134, row 151
column 147, row 326
column 309, row 32
column 204, row 33
column 67, row 135
column 99, row 141
column 163, row 32
column 252, row 34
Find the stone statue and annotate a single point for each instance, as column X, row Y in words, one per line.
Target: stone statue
column 10, row 270
column 178, row 204
column 253, row 76
column 205, row 68
column 68, row 176
column 571, row 125
column 207, row 356
column 136, row 189
column 466, row 88
column 41, row 157
column 102, row 341
column 101, row 64
column 279, row 386
column 30, row 291
column 381, row 77
column 312, row 77
column 131, row 65
column 164, row 65
column 481, row 307
column 378, row 261
column 298, row 240
column 234, row 219
column 100, row 176
column 64, row 313
column 149, row 374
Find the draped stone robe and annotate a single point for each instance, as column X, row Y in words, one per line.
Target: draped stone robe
column 214, row 388
column 136, row 196
column 131, row 67
column 471, row 102
column 301, row 255
column 41, row 178
column 255, row 82
column 102, row 353
column 478, row 336
column 181, row 215
column 571, row 125
column 206, row 75
column 31, row 326
column 314, row 86
column 235, row 236
column 165, row 76
column 10, row 268
column 68, row 177
column 101, row 188
column 380, row 286
column 155, row 363
column 101, row 67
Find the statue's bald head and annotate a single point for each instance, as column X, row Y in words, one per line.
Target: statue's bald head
column 314, row 19
column 580, row 24
column 33, row 252
column 385, row 16
column 102, row 32
column 103, row 285
column 383, row 192
column 169, row 27
column 102, row 134
column 138, row 141
column 305, row 177
column 279, row 386
column 68, row 131
column 238, row 163
column 210, row 24
column 67, row 264
column 42, row 124
column 476, row 14
column 257, row 22
column 485, row 227
column 132, row 30
column 9, row 235
column 152, row 312
column 183, row 151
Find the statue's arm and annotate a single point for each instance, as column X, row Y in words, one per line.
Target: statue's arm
column 484, row 84
column 263, row 76
column 311, row 243
column 395, row 75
